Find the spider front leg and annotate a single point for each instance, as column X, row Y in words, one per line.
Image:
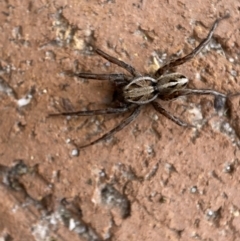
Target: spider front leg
column 196, row 51
column 111, row 77
column 116, row 129
column 93, row 112
column 170, row 116
column 120, row 63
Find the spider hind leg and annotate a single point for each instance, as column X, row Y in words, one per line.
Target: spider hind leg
column 196, row 51
column 170, row 116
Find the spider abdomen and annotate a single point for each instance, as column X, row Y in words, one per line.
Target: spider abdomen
column 169, row 83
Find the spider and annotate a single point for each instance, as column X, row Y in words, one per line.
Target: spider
column 135, row 91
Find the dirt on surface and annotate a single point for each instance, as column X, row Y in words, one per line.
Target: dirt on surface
column 154, row 180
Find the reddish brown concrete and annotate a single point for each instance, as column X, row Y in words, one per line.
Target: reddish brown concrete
column 162, row 182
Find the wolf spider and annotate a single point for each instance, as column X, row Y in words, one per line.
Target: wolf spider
column 132, row 92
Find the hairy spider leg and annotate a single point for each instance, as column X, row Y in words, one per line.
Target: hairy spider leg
column 196, row 51
column 110, row 77
column 180, row 93
column 183, row 92
column 120, row 63
column 201, row 92
column 118, row 128
column 93, row 112
column 170, row 116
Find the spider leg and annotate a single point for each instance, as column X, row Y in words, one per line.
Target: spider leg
column 170, row 116
column 120, row 63
column 202, row 92
column 196, row 51
column 183, row 92
column 111, row 77
column 116, row 129
column 93, row 112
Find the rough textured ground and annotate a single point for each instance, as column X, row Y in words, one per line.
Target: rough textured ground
column 152, row 181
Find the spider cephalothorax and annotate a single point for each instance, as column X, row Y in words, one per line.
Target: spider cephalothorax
column 131, row 92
